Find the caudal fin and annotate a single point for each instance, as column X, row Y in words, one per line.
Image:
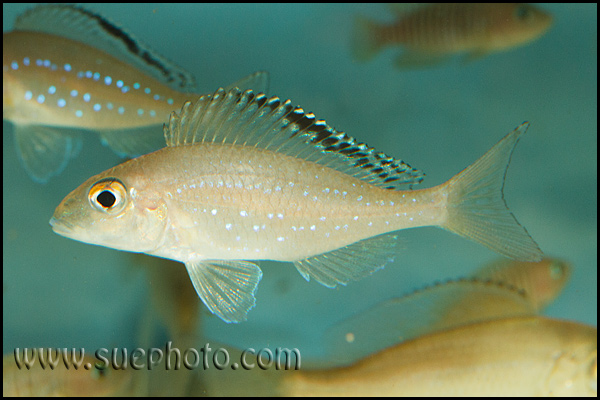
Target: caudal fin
column 364, row 40
column 476, row 206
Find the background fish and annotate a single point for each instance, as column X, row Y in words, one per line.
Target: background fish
column 245, row 177
column 432, row 33
column 66, row 67
column 524, row 356
column 63, row 382
column 416, row 347
column 541, row 281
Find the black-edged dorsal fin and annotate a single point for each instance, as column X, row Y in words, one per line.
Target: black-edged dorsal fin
column 84, row 26
column 249, row 119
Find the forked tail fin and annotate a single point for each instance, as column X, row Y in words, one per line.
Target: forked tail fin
column 476, row 206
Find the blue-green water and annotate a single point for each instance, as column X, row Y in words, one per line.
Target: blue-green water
column 62, row 293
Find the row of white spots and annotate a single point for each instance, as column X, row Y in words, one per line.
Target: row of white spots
column 96, row 76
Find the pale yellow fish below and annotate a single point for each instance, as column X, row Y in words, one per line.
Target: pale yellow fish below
column 63, row 382
column 503, row 289
column 523, row 356
column 430, row 34
column 432, row 309
column 247, row 177
column 65, row 68
column 541, row 281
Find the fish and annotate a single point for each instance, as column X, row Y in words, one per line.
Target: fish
column 66, row 69
column 249, row 177
column 502, row 289
column 431, row 34
column 521, row 356
column 541, row 281
column 434, row 308
column 97, row 379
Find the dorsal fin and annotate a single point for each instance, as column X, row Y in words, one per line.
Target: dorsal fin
column 248, row 119
column 84, row 26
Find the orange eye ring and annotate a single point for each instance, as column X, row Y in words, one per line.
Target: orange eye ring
column 108, row 195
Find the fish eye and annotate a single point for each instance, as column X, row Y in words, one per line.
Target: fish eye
column 557, row 270
column 108, row 195
column 522, row 12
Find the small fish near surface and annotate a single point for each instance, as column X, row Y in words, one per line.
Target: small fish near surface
column 431, row 34
column 247, row 177
column 65, row 68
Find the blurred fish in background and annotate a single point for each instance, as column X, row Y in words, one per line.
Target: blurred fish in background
column 91, row 379
column 503, row 289
column 541, row 281
column 431, row 34
column 504, row 349
column 520, row 356
column 66, row 68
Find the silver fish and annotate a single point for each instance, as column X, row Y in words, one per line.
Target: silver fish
column 247, row 177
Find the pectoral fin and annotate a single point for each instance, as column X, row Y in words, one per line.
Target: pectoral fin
column 226, row 287
column 44, row 150
column 133, row 142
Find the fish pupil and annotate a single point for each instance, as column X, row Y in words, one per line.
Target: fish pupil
column 522, row 12
column 106, row 199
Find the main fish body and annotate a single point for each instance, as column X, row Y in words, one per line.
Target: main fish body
column 235, row 202
column 246, row 178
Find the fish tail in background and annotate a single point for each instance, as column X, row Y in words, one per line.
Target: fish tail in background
column 476, row 207
column 365, row 44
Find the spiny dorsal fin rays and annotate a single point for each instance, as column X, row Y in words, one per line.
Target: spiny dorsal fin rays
column 247, row 119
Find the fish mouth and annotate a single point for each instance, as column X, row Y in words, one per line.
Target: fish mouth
column 60, row 227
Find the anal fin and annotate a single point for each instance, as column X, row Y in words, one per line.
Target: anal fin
column 226, row 287
column 350, row 263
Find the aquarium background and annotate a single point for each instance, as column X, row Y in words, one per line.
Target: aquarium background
column 62, row 293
